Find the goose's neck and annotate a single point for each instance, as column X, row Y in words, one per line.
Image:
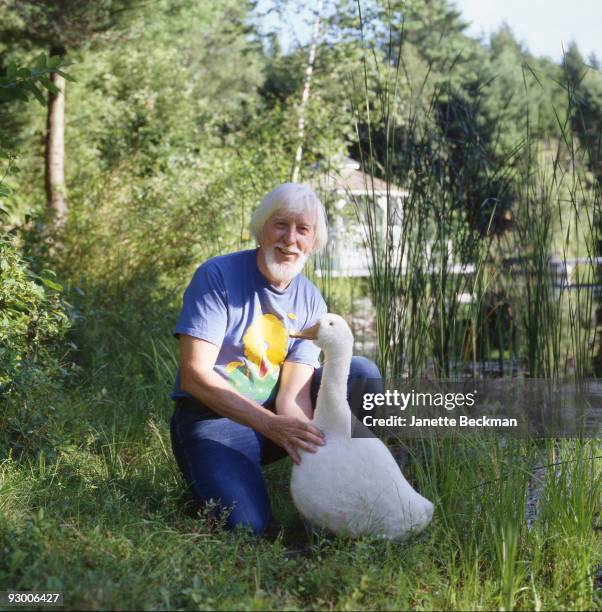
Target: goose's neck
column 332, row 409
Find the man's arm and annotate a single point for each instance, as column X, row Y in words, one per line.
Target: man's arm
column 293, row 397
column 197, row 377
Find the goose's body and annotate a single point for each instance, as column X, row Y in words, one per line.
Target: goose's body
column 351, row 485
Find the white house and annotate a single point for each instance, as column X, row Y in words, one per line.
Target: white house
column 350, row 195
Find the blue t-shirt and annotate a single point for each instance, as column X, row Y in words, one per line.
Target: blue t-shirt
column 232, row 305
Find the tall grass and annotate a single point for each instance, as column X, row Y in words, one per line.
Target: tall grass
column 418, row 246
column 453, row 290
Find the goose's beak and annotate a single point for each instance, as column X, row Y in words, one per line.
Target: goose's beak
column 309, row 333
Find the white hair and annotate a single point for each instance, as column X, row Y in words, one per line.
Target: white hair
column 296, row 198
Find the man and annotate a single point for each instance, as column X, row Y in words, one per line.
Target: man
column 245, row 390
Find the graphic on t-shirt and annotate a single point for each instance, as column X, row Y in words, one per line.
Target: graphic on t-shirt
column 227, row 304
column 265, row 347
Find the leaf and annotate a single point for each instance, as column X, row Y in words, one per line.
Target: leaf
column 7, row 94
column 37, row 93
column 52, row 284
column 40, row 61
column 54, row 61
column 66, row 76
column 49, row 85
column 32, row 274
column 22, row 94
column 11, row 71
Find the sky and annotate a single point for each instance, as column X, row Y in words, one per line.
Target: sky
column 543, row 26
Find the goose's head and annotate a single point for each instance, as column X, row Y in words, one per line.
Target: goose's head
column 330, row 332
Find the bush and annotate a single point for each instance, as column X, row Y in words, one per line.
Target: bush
column 33, row 321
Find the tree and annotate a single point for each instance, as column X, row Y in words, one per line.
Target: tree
column 33, row 316
column 306, row 89
column 19, row 83
column 584, row 89
column 160, row 124
column 58, row 28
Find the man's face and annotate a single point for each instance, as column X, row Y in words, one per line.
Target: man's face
column 289, row 235
column 287, row 239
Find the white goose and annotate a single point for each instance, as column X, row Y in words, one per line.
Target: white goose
column 351, row 485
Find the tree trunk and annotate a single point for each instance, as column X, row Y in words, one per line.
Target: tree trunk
column 305, row 96
column 56, row 196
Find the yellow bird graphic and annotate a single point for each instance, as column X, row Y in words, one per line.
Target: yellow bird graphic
column 265, row 343
column 265, row 348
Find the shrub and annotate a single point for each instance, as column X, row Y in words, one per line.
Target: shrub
column 33, row 320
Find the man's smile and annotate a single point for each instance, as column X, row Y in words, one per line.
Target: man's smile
column 286, row 252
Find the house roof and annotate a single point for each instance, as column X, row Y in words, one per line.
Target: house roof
column 345, row 177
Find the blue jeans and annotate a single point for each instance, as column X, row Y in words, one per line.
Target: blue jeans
column 221, row 460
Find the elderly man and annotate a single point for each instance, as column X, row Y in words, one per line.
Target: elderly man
column 245, row 390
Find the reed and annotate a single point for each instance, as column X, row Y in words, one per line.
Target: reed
column 452, row 292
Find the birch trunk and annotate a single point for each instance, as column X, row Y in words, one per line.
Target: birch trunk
column 56, row 197
column 306, row 89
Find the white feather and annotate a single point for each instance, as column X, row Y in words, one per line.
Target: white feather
column 351, row 485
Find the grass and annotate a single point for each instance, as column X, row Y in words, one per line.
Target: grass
column 455, row 213
column 102, row 515
column 92, row 503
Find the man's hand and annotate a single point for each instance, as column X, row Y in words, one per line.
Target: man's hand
column 293, row 403
column 292, row 434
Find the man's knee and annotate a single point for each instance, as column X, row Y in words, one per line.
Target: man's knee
column 362, row 367
column 364, row 377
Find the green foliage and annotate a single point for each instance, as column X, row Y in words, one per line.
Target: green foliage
column 33, row 321
column 167, row 154
column 146, row 119
column 33, row 315
column 18, row 83
column 584, row 89
column 57, row 26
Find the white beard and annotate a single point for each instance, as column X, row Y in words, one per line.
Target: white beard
column 283, row 272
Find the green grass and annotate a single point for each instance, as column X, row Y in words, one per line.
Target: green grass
column 91, row 500
column 102, row 515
